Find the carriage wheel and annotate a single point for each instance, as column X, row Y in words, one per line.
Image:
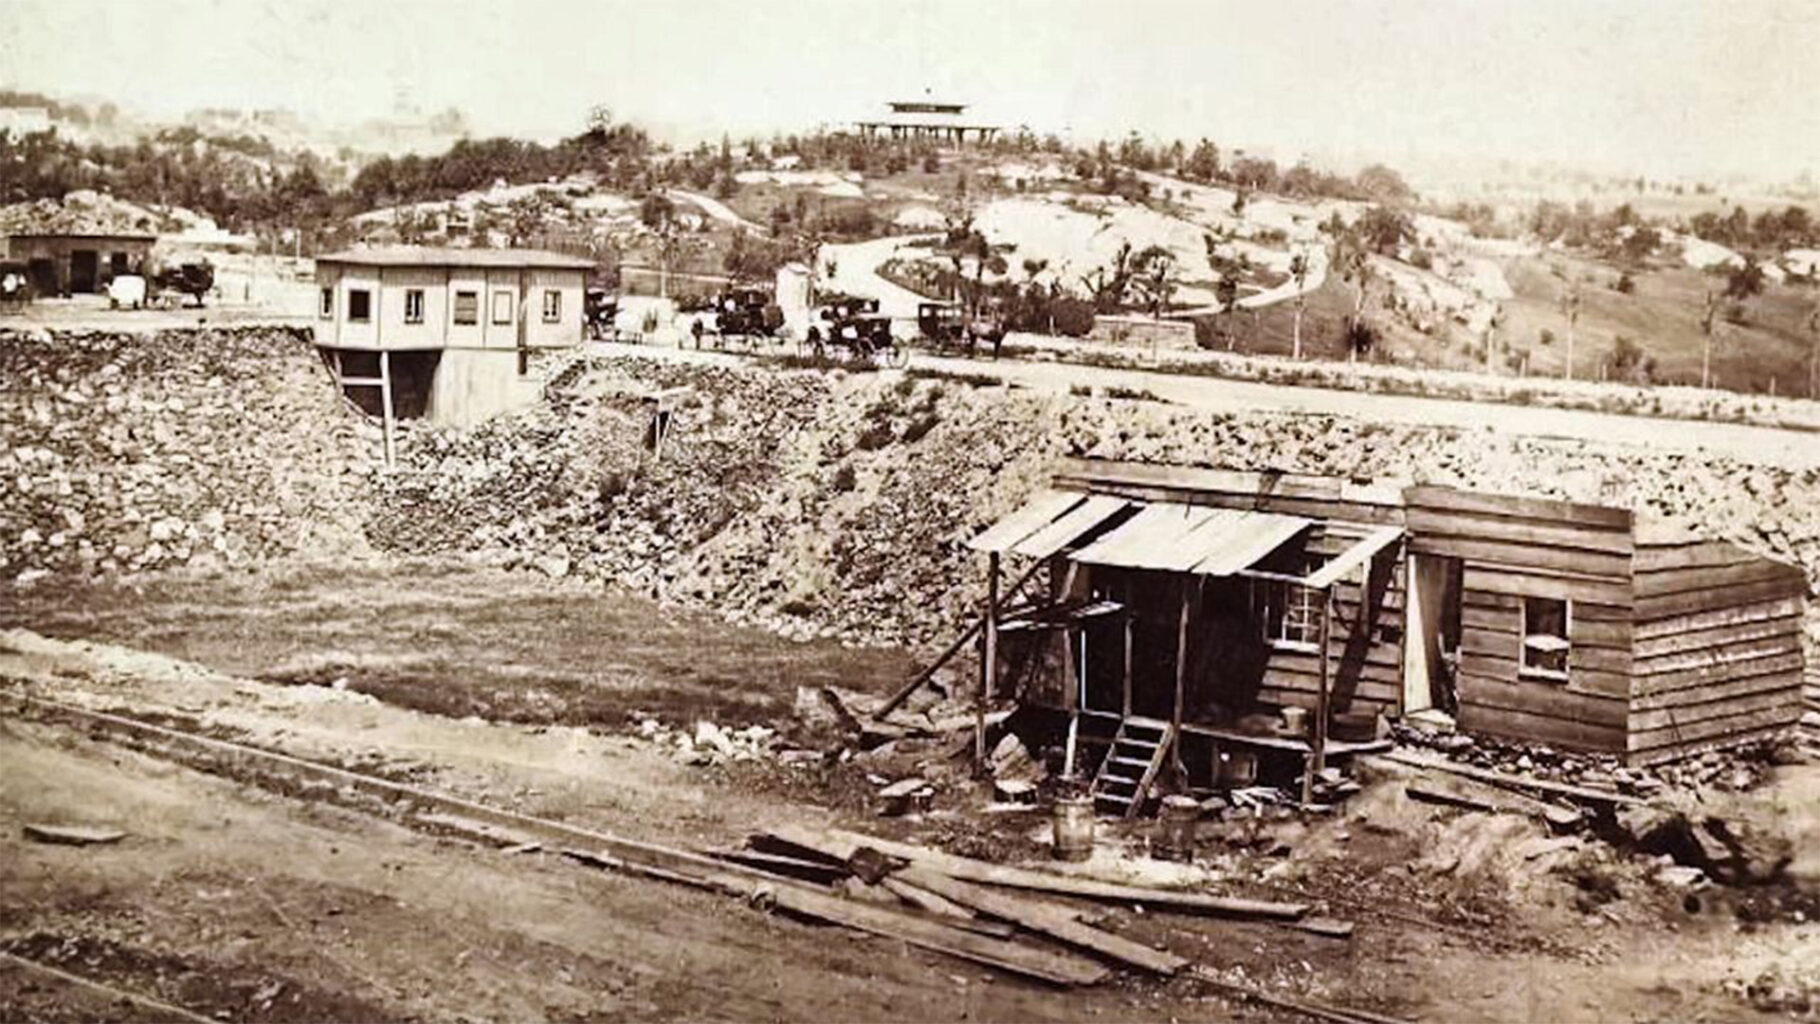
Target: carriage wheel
column 898, row 355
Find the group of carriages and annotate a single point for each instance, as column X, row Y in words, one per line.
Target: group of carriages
column 840, row 326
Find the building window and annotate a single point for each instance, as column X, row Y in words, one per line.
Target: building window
column 467, row 307
column 360, row 305
column 326, row 308
column 1291, row 613
column 552, row 306
column 1545, row 645
column 502, row 307
column 413, row 305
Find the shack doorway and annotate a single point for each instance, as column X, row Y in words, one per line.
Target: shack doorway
column 85, row 271
column 1431, row 643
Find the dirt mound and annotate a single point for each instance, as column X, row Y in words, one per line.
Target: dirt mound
column 140, row 451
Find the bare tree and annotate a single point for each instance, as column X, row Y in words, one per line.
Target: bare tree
column 1298, row 269
column 1570, row 305
column 1708, row 322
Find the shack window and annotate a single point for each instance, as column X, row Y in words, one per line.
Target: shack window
column 1291, row 614
column 360, row 305
column 467, row 307
column 413, row 305
column 1545, row 646
column 502, row 307
column 552, row 306
column 326, row 305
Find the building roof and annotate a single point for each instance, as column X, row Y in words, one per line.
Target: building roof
column 432, row 256
column 131, row 236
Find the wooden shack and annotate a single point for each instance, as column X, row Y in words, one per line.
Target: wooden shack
column 1177, row 611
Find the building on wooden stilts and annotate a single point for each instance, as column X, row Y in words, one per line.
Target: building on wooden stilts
column 1168, row 615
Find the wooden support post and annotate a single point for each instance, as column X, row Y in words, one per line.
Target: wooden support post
column 385, row 402
column 989, row 664
column 1181, row 658
column 1125, row 678
column 1075, row 698
column 1317, row 758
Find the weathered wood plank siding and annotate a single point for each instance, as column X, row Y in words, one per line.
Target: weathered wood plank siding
column 1364, row 643
column 1511, row 548
column 1718, row 648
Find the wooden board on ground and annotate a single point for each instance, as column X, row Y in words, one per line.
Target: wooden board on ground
column 1045, row 920
column 841, row 845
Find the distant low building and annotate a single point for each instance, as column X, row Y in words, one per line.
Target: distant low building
column 924, row 119
column 445, row 334
column 70, row 263
column 25, row 120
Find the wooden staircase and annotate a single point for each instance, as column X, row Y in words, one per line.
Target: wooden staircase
column 1131, row 765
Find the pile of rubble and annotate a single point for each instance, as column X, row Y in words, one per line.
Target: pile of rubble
column 1737, row 769
column 146, row 451
column 808, row 502
column 708, row 743
column 816, row 503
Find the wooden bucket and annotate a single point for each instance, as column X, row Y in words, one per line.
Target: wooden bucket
column 1072, row 819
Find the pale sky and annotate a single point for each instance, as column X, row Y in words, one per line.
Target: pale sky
column 1663, row 86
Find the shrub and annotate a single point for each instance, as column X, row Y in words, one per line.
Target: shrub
column 1547, row 337
column 845, row 479
column 1073, row 317
column 1626, row 284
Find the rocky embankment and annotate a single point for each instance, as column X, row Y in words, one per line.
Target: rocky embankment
column 840, row 503
column 126, row 452
column 802, row 500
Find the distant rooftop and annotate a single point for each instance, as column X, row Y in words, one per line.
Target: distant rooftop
column 926, row 107
column 432, row 256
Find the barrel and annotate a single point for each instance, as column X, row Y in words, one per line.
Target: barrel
column 1174, row 835
column 1072, row 817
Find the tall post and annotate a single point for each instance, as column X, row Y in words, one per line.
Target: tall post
column 1125, row 676
column 989, row 665
column 385, row 402
column 1181, row 656
column 1317, row 759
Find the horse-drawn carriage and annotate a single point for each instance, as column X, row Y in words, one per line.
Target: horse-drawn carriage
column 600, row 313
column 745, row 314
column 947, row 327
column 857, row 327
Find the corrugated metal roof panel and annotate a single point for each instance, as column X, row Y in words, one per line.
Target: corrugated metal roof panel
column 1033, row 515
column 1071, row 526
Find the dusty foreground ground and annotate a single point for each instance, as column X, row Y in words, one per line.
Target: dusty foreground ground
column 235, row 901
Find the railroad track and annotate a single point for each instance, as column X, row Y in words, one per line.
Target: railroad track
column 445, row 813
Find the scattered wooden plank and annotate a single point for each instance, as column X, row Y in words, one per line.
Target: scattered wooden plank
column 841, row 845
column 1045, row 920
column 1496, row 801
column 73, row 835
column 1046, row 965
column 1332, row 927
column 793, row 867
column 1512, row 782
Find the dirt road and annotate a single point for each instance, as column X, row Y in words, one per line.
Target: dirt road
column 226, row 898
